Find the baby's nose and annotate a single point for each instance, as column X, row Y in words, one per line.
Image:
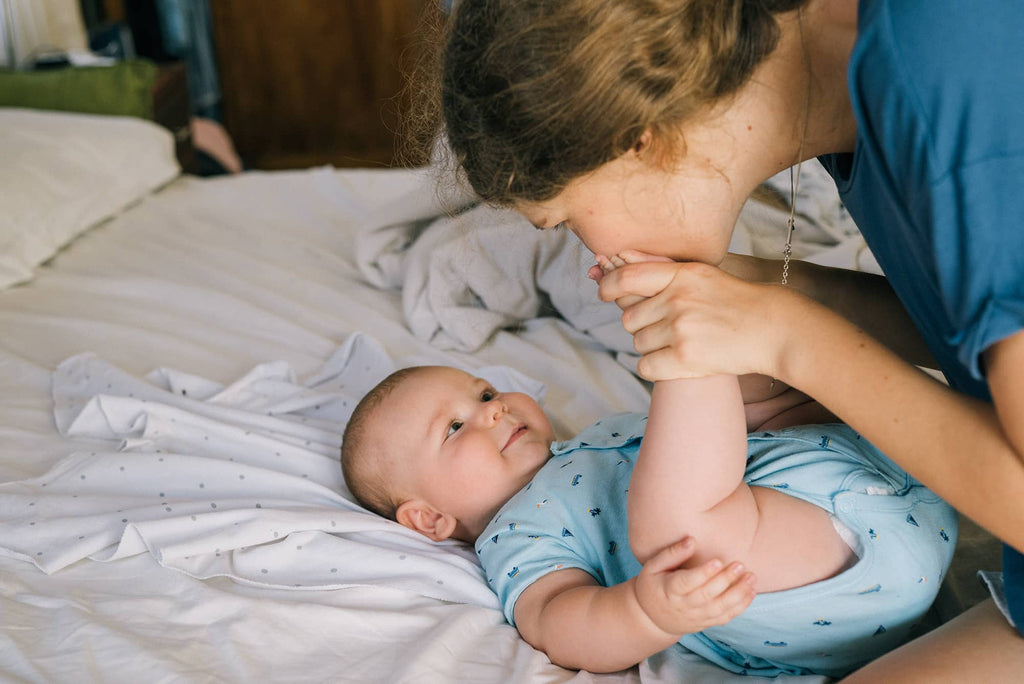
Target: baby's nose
column 495, row 410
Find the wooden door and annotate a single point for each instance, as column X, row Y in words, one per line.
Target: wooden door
column 309, row 82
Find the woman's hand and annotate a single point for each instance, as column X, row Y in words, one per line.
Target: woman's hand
column 695, row 320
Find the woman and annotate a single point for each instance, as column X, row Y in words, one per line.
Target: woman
column 645, row 124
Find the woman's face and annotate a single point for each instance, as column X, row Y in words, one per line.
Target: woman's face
column 686, row 213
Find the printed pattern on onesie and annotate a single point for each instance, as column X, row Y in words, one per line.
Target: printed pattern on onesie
column 573, row 515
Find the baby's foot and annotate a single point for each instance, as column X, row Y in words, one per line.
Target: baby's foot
column 598, row 270
column 634, row 256
column 608, row 264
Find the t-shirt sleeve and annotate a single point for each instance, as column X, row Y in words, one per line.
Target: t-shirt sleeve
column 980, row 262
column 520, row 554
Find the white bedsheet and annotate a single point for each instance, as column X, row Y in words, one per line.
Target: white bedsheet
column 215, row 278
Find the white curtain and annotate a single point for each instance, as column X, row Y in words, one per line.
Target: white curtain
column 40, row 24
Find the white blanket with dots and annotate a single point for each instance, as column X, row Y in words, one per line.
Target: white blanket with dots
column 240, row 481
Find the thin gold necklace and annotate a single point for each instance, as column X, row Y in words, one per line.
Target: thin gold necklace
column 787, row 253
column 794, row 176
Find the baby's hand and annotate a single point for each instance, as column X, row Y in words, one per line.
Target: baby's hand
column 683, row 601
column 608, row 264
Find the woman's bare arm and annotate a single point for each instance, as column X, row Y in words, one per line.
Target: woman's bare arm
column 956, row 445
column 865, row 299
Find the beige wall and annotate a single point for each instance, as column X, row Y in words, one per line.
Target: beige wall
column 42, row 24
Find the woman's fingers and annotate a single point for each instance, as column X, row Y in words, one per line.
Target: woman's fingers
column 663, row 364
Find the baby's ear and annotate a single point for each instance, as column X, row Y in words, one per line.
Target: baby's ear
column 643, row 144
column 423, row 518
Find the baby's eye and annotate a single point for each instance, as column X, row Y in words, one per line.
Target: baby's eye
column 454, row 427
column 488, row 395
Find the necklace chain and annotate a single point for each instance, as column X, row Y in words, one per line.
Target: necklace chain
column 794, row 176
column 787, row 253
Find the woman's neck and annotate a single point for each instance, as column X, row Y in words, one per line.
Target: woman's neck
column 829, row 30
column 797, row 103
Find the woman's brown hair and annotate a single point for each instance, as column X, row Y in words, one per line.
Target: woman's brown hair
column 535, row 93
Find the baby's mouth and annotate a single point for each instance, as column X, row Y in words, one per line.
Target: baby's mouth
column 519, row 431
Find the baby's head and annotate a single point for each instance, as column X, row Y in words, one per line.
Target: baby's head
column 440, row 450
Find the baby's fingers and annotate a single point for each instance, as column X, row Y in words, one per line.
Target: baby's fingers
column 672, row 556
column 724, row 594
column 736, row 598
column 704, row 582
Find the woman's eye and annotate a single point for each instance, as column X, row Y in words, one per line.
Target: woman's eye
column 454, row 427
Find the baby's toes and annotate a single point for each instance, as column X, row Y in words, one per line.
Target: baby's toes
column 605, row 264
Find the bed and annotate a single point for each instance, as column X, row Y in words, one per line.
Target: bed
column 178, row 357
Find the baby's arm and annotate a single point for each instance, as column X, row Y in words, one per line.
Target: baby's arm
column 583, row 625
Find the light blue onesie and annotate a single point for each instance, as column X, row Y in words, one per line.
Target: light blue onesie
column 573, row 515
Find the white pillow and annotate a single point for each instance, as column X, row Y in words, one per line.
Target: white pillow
column 62, row 173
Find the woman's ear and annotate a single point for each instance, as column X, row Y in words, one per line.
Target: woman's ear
column 423, row 518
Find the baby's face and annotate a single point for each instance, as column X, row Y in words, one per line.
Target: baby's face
column 461, row 445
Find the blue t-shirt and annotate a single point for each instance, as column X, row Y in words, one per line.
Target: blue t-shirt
column 936, row 181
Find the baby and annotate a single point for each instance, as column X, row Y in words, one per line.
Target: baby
column 848, row 551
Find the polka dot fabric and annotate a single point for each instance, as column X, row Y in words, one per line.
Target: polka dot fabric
column 240, row 481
